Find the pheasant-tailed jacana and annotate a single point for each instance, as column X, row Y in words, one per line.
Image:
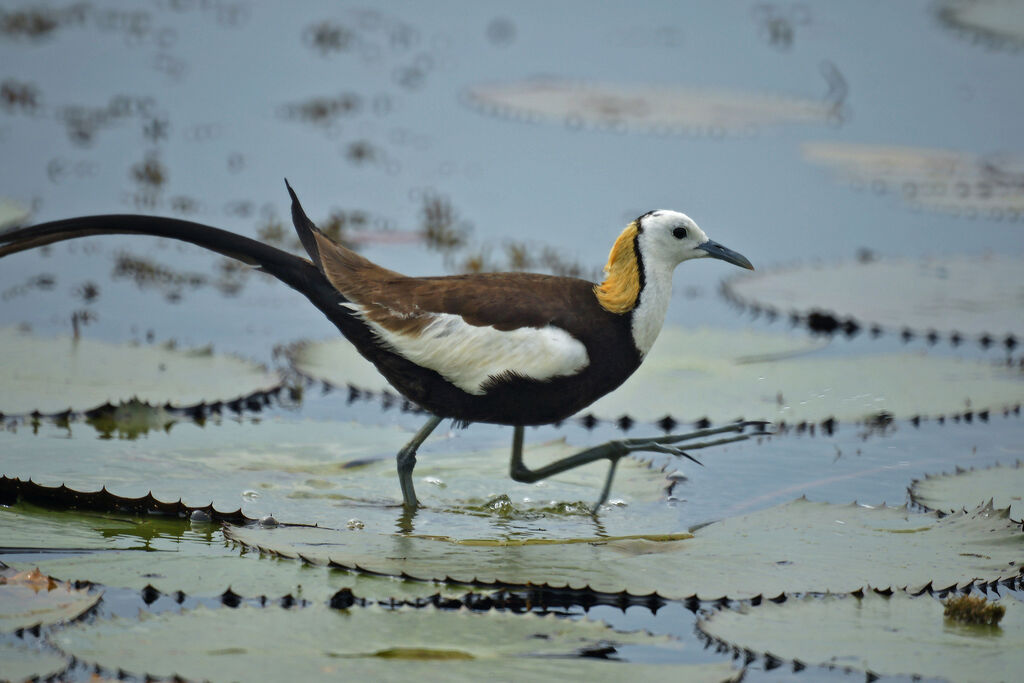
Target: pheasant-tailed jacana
column 507, row 348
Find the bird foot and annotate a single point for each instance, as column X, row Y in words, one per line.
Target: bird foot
column 616, row 449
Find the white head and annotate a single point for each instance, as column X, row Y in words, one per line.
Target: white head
column 667, row 238
column 638, row 277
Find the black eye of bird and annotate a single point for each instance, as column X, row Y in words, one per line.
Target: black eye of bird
column 679, row 233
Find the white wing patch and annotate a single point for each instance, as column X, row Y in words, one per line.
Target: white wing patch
column 467, row 355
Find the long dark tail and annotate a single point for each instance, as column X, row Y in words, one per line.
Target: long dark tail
column 296, row 272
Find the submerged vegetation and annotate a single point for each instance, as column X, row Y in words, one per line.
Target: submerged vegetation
column 972, row 609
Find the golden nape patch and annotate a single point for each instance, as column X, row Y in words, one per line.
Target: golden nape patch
column 621, row 287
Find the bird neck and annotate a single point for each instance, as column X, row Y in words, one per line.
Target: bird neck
column 648, row 316
column 633, row 285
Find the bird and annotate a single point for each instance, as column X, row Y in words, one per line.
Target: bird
column 517, row 349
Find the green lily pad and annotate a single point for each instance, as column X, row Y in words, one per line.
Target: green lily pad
column 799, row 546
column 251, row 643
column 1003, row 486
column 55, row 375
column 932, row 179
column 171, row 555
column 28, row 528
column 31, row 598
column 336, row 362
column 793, row 387
column 331, row 472
column 644, row 108
column 724, row 375
column 995, row 23
column 887, row 636
column 23, row 662
column 969, row 295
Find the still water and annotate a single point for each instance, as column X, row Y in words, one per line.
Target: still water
column 536, row 126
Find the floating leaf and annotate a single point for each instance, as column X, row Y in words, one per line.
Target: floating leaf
column 54, row 375
column 330, row 472
column 724, row 375
column 23, row 662
column 336, row 362
column 996, row 23
column 968, row 295
column 30, row 598
column 645, row 108
column 887, row 636
column 28, row 528
column 723, row 385
column 1004, row 486
column 169, row 555
column 373, row 643
column 934, row 179
column 799, row 546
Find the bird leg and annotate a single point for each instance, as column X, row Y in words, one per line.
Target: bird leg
column 616, row 449
column 406, row 459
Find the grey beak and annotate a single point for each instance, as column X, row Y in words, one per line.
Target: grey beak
column 716, row 250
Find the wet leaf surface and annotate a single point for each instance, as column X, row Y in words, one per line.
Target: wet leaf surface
column 706, row 374
column 963, row 489
column 29, row 527
column 887, row 636
column 798, row 546
column 55, row 375
column 331, row 472
column 970, row 295
column 314, row 642
column 31, row 598
column 27, row 661
column 169, row 555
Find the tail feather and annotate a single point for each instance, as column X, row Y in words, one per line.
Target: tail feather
column 305, row 228
column 294, row 271
column 298, row 273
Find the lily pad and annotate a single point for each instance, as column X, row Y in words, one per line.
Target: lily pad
column 23, row 662
column 933, row 179
column 126, row 551
column 799, row 546
column 55, row 375
column 28, row 528
column 30, row 598
column 641, row 108
column 1003, row 486
column 331, row 472
column 305, row 644
column 995, row 23
column 887, row 636
column 723, row 385
column 968, row 295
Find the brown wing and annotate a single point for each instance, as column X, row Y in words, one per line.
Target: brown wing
column 505, row 301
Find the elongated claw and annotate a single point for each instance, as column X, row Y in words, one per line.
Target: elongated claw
column 614, row 450
column 672, row 450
